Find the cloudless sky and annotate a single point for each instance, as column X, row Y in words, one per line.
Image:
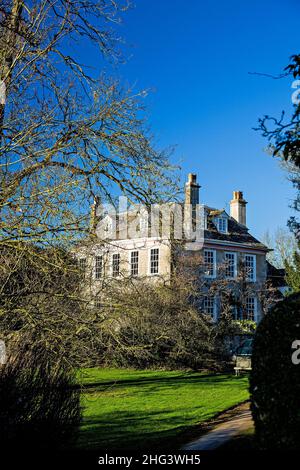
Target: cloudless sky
column 195, row 57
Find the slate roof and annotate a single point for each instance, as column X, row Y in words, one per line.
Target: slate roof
column 237, row 233
column 276, row 276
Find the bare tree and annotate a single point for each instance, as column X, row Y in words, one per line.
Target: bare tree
column 283, row 245
column 66, row 136
column 182, row 320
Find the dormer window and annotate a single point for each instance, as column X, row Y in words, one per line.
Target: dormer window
column 222, row 224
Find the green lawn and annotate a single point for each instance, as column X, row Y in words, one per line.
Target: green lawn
column 139, row 409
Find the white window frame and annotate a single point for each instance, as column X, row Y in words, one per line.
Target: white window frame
column 150, row 261
column 213, row 315
column 98, row 276
column 225, row 220
column 234, row 264
column 254, row 298
column 137, row 263
column 112, row 265
column 250, row 255
column 214, row 273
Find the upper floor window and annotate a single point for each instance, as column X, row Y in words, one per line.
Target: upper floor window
column 134, row 263
column 250, row 267
column 154, row 261
column 250, row 309
column 98, row 267
column 222, row 224
column 210, row 263
column 231, row 266
column 116, row 264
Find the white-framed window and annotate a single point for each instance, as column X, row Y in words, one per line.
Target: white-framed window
column 209, row 306
column 134, row 263
column 154, row 261
column 222, row 224
column 116, row 264
column 98, row 266
column 250, row 267
column 250, row 308
column 210, row 263
column 231, row 265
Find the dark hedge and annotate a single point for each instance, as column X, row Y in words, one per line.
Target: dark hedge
column 275, row 380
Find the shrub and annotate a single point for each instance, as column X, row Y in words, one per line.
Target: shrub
column 275, row 380
column 39, row 404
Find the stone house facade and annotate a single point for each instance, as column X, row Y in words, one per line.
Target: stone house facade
column 225, row 241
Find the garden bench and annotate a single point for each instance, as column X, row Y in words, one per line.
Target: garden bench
column 243, row 363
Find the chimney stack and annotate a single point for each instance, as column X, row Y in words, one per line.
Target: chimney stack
column 238, row 207
column 192, row 190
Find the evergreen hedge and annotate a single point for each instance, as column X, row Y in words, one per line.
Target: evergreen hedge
column 275, row 380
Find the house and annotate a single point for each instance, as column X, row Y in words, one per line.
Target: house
column 139, row 244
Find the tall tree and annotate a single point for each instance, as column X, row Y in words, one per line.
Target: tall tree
column 67, row 136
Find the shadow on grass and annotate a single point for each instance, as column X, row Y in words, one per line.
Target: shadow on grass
column 188, row 378
column 122, row 430
column 140, row 429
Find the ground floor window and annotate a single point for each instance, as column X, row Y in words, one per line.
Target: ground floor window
column 116, row 265
column 154, row 261
column 250, row 308
column 98, row 267
column 134, row 263
column 209, row 306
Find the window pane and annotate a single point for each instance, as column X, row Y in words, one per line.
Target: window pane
column 209, row 305
column 230, row 265
column 98, row 266
column 222, row 225
column 250, row 267
column 134, row 263
column 250, row 308
column 116, row 265
column 209, row 262
column 154, row 261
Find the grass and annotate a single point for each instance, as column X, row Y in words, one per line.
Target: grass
column 143, row 409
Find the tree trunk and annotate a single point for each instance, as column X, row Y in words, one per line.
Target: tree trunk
column 8, row 52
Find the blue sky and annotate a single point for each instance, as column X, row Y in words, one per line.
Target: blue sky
column 195, row 56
